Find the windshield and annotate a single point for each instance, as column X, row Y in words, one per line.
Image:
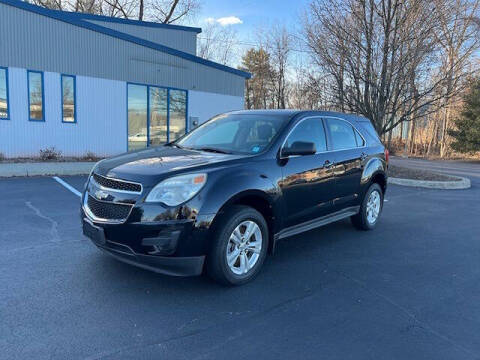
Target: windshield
column 234, row 133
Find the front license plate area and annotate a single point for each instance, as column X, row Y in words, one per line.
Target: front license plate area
column 95, row 233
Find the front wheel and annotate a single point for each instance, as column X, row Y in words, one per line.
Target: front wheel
column 239, row 246
column 370, row 209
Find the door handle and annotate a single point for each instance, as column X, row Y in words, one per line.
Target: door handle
column 327, row 164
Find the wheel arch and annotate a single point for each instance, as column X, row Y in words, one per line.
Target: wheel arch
column 260, row 201
column 375, row 172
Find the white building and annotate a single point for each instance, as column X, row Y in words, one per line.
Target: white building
column 87, row 83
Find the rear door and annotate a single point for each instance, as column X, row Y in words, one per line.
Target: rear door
column 308, row 183
column 348, row 154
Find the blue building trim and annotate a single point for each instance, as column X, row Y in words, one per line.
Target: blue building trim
column 74, row 20
column 133, row 22
column 43, row 95
column 74, row 97
column 7, row 94
column 148, row 86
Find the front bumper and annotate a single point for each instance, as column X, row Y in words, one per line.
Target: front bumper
column 169, row 265
column 176, row 266
column 168, row 240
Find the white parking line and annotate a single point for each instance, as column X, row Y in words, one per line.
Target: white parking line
column 69, row 187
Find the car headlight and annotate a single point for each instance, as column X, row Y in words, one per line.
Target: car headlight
column 177, row 190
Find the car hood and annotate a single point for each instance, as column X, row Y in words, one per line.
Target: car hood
column 152, row 165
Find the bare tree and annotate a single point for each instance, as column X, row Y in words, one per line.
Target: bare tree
column 381, row 56
column 277, row 42
column 170, row 11
column 308, row 89
column 458, row 36
column 163, row 11
column 218, row 43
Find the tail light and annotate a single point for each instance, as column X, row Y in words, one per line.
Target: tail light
column 387, row 155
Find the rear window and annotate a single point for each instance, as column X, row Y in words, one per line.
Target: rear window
column 369, row 132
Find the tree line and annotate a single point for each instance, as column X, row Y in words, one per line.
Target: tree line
column 407, row 65
column 162, row 11
column 404, row 64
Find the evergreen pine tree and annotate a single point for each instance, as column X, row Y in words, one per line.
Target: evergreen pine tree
column 467, row 132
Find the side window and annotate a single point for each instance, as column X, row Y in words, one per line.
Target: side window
column 358, row 137
column 4, row 93
column 35, row 96
column 309, row 130
column 369, row 132
column 342, row 134
column 68, row 99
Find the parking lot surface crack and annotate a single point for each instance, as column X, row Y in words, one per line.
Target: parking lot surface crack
column 224, row 324
column 416, row 322
column 53, row 224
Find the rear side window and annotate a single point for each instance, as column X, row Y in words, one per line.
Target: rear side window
column 369, row 132
column 309, row 130
column 360, row 141
column 342, row 134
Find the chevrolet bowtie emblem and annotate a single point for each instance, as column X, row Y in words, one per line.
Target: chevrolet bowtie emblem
column 100, row 195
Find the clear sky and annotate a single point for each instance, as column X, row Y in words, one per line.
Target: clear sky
column 247, row 16
column 254, row 12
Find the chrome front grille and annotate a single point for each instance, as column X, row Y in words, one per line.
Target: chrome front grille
column 103, row 211
column 117, row 185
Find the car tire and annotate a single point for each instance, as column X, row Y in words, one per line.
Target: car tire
column 232, row 259
column 370, row 209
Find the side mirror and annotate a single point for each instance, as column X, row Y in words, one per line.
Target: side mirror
column 299, row 148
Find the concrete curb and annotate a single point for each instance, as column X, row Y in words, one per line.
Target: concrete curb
column 45, row 168
column 462, row 183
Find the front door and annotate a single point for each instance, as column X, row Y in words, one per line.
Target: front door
column 308, row 181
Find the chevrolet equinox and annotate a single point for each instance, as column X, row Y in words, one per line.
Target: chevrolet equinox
column 219, row 198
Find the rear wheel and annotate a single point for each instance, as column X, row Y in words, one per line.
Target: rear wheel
column 370, row 209
column 239, row 246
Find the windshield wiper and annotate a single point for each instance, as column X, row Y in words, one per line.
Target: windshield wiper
column 214, row 150
column 175, row 145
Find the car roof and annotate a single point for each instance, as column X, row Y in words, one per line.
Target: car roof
column 290, row 113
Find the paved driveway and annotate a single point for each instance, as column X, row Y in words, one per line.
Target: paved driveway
column 408, row 290
column 468, row 169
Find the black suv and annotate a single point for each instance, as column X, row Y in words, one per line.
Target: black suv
column 221, row 196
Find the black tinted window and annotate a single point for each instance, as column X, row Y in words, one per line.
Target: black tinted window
column 360, row 141
column 309, row 130
column 342, row 134
column 369, row 132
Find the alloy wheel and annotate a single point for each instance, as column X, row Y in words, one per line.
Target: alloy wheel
column 373, row 206
column 244, row 247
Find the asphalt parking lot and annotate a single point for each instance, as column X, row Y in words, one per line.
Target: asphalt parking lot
column 408, row 290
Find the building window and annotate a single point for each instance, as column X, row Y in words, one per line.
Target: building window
column 36, row 96
column 137, row 117
column 177, row 114
column 156, row 115
column 68, row 99
column 4, row 110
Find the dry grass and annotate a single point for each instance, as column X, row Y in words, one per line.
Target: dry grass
column 417, row 174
